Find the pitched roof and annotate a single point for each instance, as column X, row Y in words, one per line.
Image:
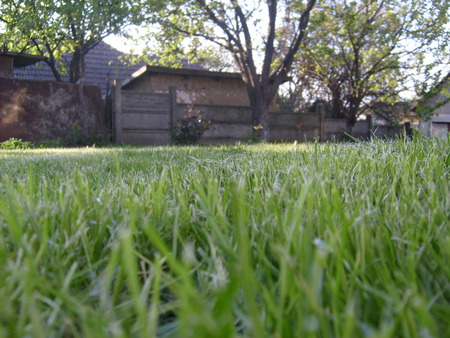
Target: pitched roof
column 103, row 64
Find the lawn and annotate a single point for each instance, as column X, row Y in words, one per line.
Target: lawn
column 307, row 240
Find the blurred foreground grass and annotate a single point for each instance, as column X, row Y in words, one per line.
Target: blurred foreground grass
column 309, row 240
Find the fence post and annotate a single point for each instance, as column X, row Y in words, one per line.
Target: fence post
column 321, row 109
column 172, row 108
column 117, row 110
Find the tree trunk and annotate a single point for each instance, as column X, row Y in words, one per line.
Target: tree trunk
column 260, row 114
column 352, row 112
column 351, row 120
column 337, row 109
column 55, row 72
column 75, row 66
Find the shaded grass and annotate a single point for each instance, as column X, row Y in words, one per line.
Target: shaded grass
column 265, row 240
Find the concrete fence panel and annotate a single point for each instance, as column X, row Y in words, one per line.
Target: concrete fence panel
column 153, row 121
column 142, row 117
column 361, row 129
column 147, row 118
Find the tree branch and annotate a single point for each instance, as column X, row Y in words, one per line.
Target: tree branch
column 286, row 64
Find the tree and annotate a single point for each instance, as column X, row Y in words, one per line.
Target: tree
column 237, row 26
column 364, row 53
column 63, row 31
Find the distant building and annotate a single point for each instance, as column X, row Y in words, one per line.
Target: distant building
column 194, row 86
column 439, row 124
column 103, row 65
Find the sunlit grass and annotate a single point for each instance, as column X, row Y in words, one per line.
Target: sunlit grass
column 314, row 240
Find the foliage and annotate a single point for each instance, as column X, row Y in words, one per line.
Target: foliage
column 235, row 26
column 251, row 138
column 314, row 240
column 435, row 98
column 52, row 143
column 82, row 136
column 288, row 102
column 365, row 54
column 15, row 144
column 62, row 31
column 190, row 127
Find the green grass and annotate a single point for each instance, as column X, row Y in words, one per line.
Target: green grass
column 332, row 240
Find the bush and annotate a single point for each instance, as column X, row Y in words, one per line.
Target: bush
column 251, row 138
column 190, row 127
column 81, row 136
column 14, row 144
column 52, row 143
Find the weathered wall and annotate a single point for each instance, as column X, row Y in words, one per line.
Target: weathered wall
column 197, row 90
column 145, row 118
column 387, row 132
column 439, row 99
column 233, row 124
column 439, row 124
column 230, row 123
column 142, row 117
column 361, row 129
column 40, row 110
column 334, row 129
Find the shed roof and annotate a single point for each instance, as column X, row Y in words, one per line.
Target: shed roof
column 22, row 59
column 191, row 71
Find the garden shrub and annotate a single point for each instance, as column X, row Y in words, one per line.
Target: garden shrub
column 14, row 144
column 81, row 136
column 190, row 127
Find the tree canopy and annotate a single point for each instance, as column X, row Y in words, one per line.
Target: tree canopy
column 363, row 54
column 63, row 31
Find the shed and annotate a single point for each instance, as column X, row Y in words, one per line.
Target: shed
column 439, row 101
column 193, row 86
